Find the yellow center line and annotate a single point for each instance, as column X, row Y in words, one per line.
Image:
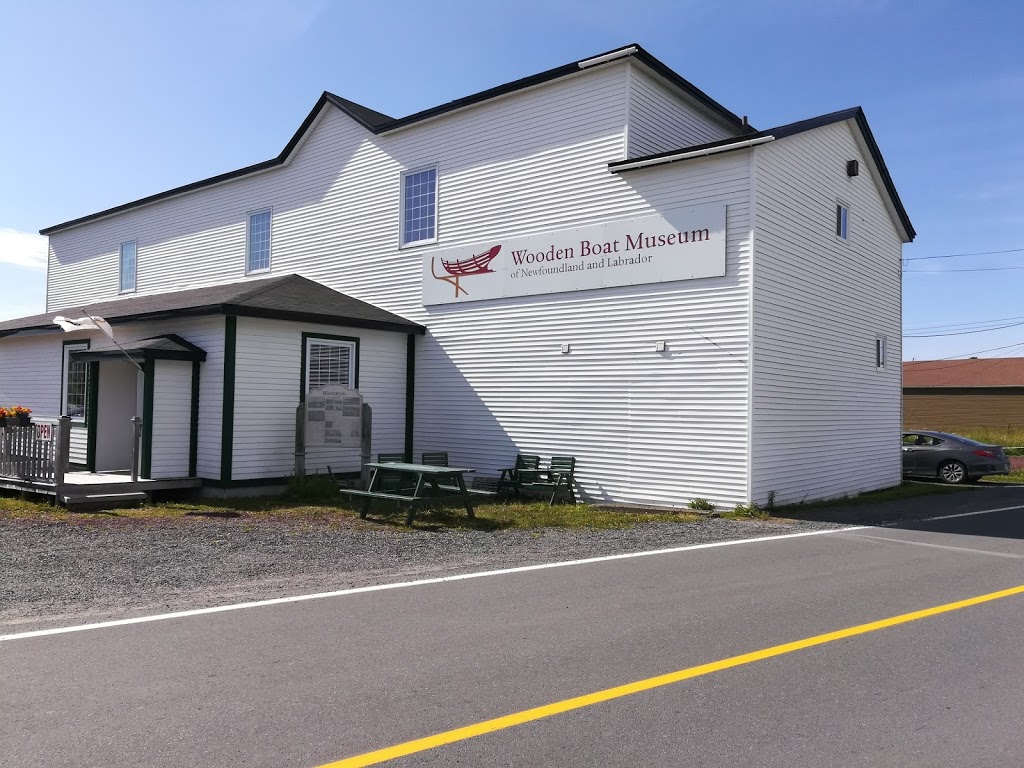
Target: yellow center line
column 578, row 702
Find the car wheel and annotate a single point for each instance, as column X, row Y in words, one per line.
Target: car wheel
column 953, row 472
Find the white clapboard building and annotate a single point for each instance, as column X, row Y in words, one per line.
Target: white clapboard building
column 598, row 261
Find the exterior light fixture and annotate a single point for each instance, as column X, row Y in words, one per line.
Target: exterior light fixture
column 659, row 346
column 565, row 349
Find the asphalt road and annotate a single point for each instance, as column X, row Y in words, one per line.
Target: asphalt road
column 308, row 683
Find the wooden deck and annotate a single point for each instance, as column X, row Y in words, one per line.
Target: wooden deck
column 86, row 487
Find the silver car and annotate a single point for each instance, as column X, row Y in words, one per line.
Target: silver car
column 951, row 458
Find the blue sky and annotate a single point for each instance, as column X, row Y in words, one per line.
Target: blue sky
column 103, row 103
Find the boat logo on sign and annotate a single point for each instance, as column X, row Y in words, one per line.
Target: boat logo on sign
column 478, row 264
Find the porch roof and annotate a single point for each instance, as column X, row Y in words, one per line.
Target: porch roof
column 167, row 347
column 290, row 297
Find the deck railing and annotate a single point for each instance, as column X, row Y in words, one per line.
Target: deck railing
column 39, row 451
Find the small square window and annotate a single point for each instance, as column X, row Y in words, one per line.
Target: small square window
column 257, row 242
column 419, row 206
column 842, row 221
column 330, row 363
column 128, row 266
column 880, row 352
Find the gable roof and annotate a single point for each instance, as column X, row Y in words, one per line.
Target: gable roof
column 979, row 372
column 291, row 297
column 378, row 123
column 781, row 132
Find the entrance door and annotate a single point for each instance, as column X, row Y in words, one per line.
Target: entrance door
column 116, row 404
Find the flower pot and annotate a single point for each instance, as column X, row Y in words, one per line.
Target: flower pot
column 23, row 420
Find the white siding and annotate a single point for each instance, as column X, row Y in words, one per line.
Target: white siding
column 660, row 119
column 646, row 427
column 826, row 422
column 207, row 333
column 267, row 384
column 31, row 370
column 534, row 160
column 172, row 418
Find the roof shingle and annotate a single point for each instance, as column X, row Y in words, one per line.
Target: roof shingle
column 290, row 297
column 981, row 372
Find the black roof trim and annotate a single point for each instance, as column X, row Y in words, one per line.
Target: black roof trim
column 213, row 180
column 168, row 346
column 377, row 123
column 791, row 129
column 288, row 297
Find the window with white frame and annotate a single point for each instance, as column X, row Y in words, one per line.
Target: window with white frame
column 75, row 383
column 842, row 221
column 129, row 259
column 880, row 352
column 257, row 242
column 330, row 362
column 419, row 206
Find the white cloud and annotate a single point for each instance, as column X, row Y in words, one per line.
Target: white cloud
column 22, row 249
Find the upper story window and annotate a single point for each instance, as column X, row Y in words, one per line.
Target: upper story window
column 880, row 352
column 257, row 242
column 75, row 383
column 419, row 206
column 128, row 266
column 842, row 221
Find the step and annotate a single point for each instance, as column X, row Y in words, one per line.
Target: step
column 83, row 499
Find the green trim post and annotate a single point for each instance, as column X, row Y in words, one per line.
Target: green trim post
column 148, row 389
column 302, row 365
column 193, row 430
column 227, row 415
column 410, row 393
column 92, row 396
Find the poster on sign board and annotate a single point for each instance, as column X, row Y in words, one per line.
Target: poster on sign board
column 334, row 417
column 672, row 244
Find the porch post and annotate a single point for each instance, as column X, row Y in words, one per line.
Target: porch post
column 62, row 459
column 136, row 446
column 300, row 440
column 365, row 443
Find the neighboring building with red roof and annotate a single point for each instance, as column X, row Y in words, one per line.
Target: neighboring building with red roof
column 951, row 394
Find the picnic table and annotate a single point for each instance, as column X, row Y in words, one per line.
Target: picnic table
column 429, row 483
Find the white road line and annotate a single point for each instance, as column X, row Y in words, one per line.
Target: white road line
column 403, row 584
column 457, row 577
column 966, row 514
column 947, row 547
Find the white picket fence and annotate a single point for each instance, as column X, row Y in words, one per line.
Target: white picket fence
column 35, row 452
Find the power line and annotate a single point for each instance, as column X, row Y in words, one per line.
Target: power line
column 960, row 333
column 947, row 271
column 968, row 324
column 958, row 255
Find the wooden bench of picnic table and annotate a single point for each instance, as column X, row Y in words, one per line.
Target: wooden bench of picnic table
column 529, row 476
column 428, row 488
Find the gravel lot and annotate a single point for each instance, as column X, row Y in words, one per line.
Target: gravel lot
column 58, row 572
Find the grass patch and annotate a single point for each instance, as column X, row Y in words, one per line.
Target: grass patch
column 1013, row 477
column 308, row 506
